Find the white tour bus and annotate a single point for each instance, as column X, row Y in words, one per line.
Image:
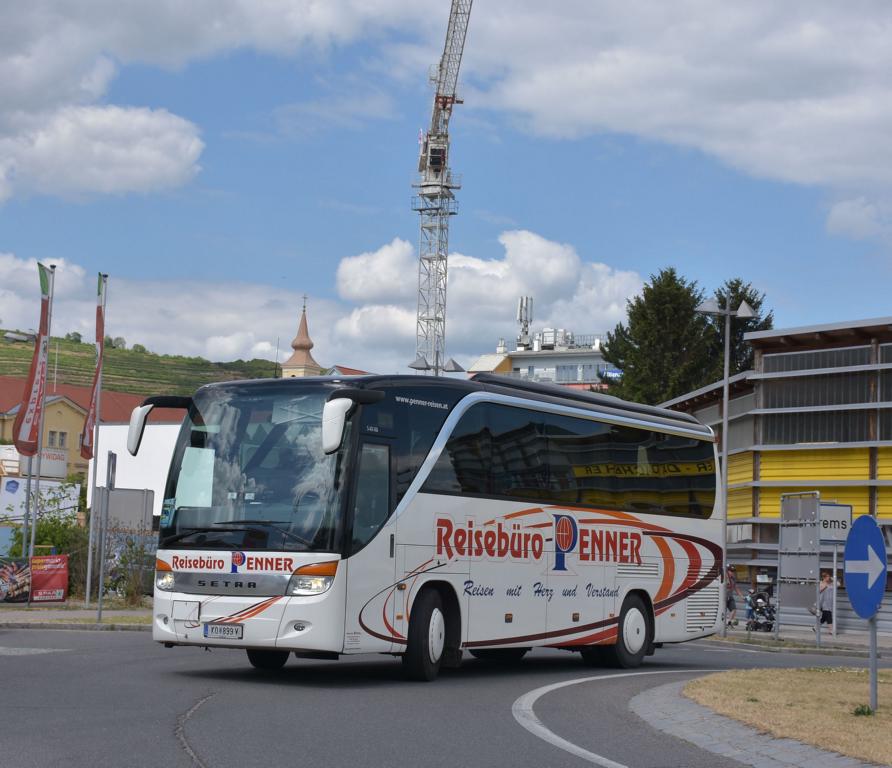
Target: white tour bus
column 423, row 516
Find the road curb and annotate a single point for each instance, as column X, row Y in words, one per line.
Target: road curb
column 786, row 649
column 82, row 627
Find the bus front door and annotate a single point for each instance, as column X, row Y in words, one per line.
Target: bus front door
column 371, row 570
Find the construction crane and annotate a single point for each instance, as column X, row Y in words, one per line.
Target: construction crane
column 435, row 202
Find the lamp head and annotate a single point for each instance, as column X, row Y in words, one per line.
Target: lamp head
column 745, row 311
column 709, row 307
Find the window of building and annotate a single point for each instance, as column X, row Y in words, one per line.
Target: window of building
column 63, row 440
column 831, row 389
column 821, row 358
column 820, row 427
column 51, row 439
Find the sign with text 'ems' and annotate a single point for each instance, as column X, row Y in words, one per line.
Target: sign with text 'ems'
column 836, row 521
column 865, row 567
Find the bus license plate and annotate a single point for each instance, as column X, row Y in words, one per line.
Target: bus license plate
column 226, row 631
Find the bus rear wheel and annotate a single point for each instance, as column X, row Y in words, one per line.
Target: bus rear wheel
column 499, row 655
column 427, row 637
column 268, row 660
column 634, row 635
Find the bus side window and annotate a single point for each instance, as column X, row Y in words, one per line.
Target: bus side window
column 372, row 505
column 464, row 464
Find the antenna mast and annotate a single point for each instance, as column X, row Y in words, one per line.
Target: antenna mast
column 435, row 202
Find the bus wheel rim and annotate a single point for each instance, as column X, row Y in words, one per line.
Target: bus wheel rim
column 436, row 635
column 634, row 630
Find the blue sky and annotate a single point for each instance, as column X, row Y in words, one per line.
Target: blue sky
column 218, row 176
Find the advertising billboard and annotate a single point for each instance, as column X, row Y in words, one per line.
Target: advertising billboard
column 46, row 579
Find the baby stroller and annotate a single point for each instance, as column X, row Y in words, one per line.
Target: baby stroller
column 762, row 614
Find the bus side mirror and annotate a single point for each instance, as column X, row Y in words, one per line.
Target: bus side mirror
column 137, row 427
column 334, row 417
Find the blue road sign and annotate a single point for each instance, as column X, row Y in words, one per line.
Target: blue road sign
column 865, row 566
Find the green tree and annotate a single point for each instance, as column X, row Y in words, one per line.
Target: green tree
column 741, row 357
column 74, row 336
column 138, row 348
column 666, row 347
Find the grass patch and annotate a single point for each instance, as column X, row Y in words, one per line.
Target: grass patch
column 106, row 619
column 128, row 371
column 109, row 603
column 823, row 706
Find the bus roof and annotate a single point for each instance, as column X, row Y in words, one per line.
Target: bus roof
column 488, row 382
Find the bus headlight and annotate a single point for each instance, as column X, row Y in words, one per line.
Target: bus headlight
column 164, row 578
column 312, row 579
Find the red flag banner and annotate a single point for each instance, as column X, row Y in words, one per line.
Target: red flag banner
column 88, row 433
column 27, row 420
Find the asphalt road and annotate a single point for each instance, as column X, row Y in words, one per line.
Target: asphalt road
column 74, row 698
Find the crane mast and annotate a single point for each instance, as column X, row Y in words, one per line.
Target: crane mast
column 435, row 201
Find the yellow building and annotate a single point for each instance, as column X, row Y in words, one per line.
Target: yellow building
column 815, row 413
column 62, row 424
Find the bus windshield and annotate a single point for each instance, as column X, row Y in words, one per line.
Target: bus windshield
column 249, row 473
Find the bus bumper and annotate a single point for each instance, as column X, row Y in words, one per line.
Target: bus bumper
column 227, row 621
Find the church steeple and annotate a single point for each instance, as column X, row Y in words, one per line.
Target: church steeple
column 301, row 362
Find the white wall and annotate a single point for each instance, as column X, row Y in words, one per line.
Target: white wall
column 148, row 469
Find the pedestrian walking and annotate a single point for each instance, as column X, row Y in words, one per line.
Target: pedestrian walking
column 731, row 589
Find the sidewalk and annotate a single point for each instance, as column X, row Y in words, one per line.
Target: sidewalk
column 802, row 639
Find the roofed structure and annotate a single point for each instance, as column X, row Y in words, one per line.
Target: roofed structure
column 301, row 362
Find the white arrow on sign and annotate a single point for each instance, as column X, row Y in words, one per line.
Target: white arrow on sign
column 873, row 566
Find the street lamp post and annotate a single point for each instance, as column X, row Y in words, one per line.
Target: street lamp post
column 744, row 311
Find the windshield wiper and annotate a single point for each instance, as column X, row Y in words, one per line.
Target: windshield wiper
column 268, row 524
column 191, row 531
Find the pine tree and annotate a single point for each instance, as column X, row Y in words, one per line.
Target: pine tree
column 667, row 348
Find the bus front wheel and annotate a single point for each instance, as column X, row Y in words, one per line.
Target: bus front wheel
column 268, row 660
column 634, row 634
column 427, row 637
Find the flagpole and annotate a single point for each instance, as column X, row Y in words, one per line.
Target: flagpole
column 98, row 419
column 27, row 507
column 36, row 506
column 49, row 326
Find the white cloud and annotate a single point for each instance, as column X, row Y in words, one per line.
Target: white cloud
column 228, row 320
column 861, row 218
column 795, row 91
column 387, row 274
column 58, row 58
column 377, row 324
column 568, row 292
column 101, row 150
